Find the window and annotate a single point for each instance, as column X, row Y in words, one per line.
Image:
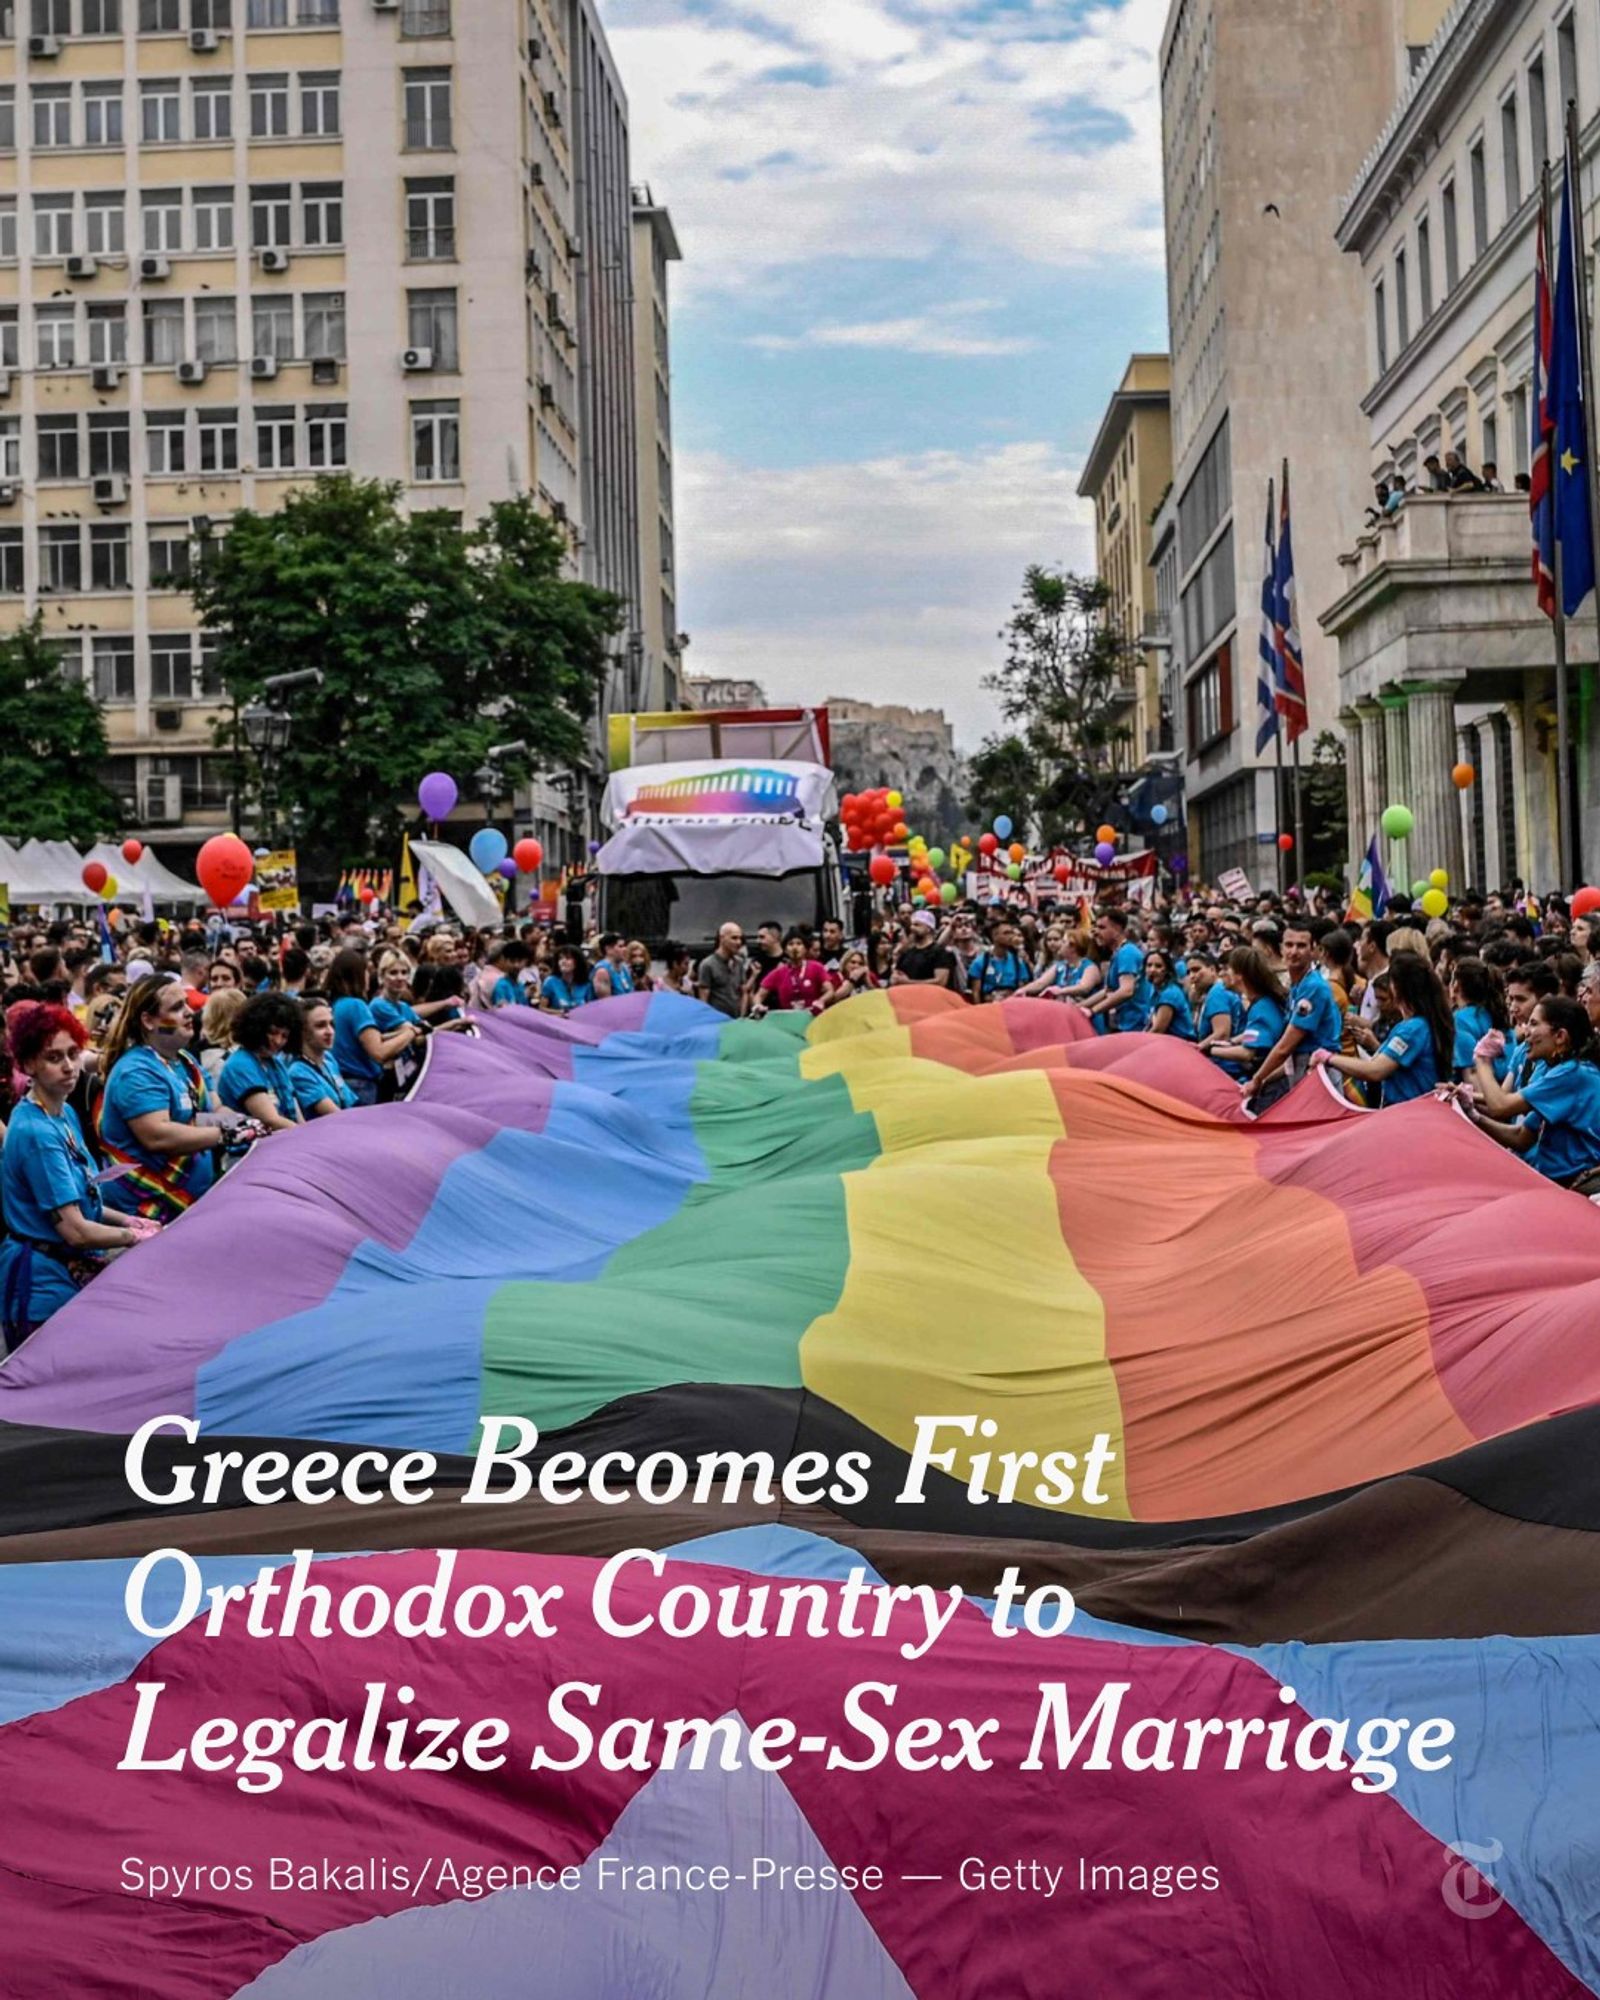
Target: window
column 324, row 326
column 52, row 225
column 271, row 218
column 163, row 221
column 110, row 443
column 8, row 119
column 102, row 114
column 1402, row 302
column 1521, row 440
column 113, row 669
column 269, row 107
column 1480, row 200
column 327, row 447
column 1425, row 266
column 52, row 17
column 424, row 20
column 171, row 555
column 56, row 330
column 102, row 17
column 1567, row 64
column 160, row 17
column 217, row 15
column 52, row 114
column 213, row 108
column 171, row 666
column 1452, row 240
column 11, row 566
column 428, row 120
column 10, row 447
column 273, row 331
column 108, row 335
column 108, row 556
column 219, row 440
column 322, row 215
column 1511, row 156
column 161, row 112
column 432, row 324
column 317, row 13
column 8, row 229
column 10, row 338
column 213, row 218
column 269, row 13
column 104, row 225
column 1491, row 439
column 163, row 332
column 216, row 330
column 435, row 443
column 1211, row 701
column 58, row 448
column 1380, row 315
column 431, row 222
column 319, row 106
column 1538, row 115
column 275, row 441
column 60, row 560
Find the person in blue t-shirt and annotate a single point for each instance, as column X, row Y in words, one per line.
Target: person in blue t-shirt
column 1251, row 975
column 1553, row 1121
column 1170, row 1013
column 1218, row 1010
column 568, row 986
column 1417, row 1054
column 318, row 1083
column 1002, row 970
column 1526, row 986
column 360, row 1047
column 257, row 1078
column 1315, row 1022
column 1122, row 1006
column 510, row 962
column 611, row 977
column 1478, row 996
column 155, row 1113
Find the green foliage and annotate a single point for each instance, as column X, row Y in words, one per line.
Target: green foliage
column 52, row 744
column 1002, row 777
column 1327, row 809
column 434, row 642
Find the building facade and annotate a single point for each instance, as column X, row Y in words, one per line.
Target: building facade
column 655, row 251
column 245, row 242
column 1267, row 357
column 1444, row 655
column 1126, row 478
column 909, row 750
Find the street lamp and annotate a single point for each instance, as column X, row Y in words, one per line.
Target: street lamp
column 268, row 729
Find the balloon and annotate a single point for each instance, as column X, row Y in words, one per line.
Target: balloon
column 1398, row 821
column 95, row 876
column 1586, row 902
column 1014, row 871
column 882, row 870
column 1106, row 835
column 1419, row 890
column 1286, row 842
column 527, row 854
column 133, row 852
column 110, row 888
column 594, row 847
column 1438, row 879
column 1180, row 864
column 899, row 830
column 1002, row 827
column 488, row 848
column 988, row 844
column 224, row 866
column 936, row 857
column 369, row 895
column 893, row 799
column 507, row 868
column 1017, row 851
column 1158, row 815
column 1435, row 903
column 1063, row 872
column 1463, row 777
column 1105, row 854
column 437, row 795
column 949, row 893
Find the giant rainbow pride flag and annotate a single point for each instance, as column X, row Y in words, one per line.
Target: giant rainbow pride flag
column 1347, row 1362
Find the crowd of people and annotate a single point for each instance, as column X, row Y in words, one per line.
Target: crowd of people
column 131, row 1076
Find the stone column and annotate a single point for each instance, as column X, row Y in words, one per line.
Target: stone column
column 1431, row 719
column 1397, row 782
column 1470, row 749
column 1372, row 772
column 1523, row 861
column 1491, row 776
column 1355, row 790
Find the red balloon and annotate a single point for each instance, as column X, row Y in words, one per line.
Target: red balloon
column 133, row 852
column 95, row 876
column 882, row 870
column 224, row 866
column 1063, row 872
column 1586, row 902
column 527, row 854
column 988, row 844
column 1286, row 842
column 368, row 893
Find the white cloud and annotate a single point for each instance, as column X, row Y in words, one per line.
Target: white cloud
column 949, row 334
column 888, row 580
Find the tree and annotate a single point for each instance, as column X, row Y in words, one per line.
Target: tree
column 435, row 643
column 52, row 745
column 1063, row 689
column 1002, row 777
column 1327, row 806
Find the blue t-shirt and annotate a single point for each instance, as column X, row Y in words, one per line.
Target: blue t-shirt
column 1410, row 1044
column 1263, row 1024
column 1472, row 1024
column 994, row 972
column 351, row 1018
column 1519, row 1064
column 1221, row 1013
column 558, row 994
column 1565, row 1098
column 1315, row 1012
column 312, row 1082
column 46, row 1166
column 1173, row 996
column 621, row 978
column 1132, row 1016
column 139, row 1083
column 244, row 1074
column 1075, row 977
column 508, row 992
column 392, row 1014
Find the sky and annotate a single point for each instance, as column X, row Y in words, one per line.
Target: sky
column 921, row 239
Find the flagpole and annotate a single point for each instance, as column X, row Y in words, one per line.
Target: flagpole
column 1299, row 821
column 1571, row 858
column 1277, row 801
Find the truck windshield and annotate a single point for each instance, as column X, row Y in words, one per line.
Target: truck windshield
column 692, row 908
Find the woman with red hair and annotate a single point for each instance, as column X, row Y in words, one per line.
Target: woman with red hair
column 55, row 1238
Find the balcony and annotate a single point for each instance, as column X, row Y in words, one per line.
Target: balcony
column 1156, row 634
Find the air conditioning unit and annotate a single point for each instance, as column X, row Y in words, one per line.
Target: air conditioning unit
column 82, row 267
column 163, row 801
column 43, row 48
column 204, row 41
column 264, row 368
column 110, row 489
column 168, row 721
column 547, row 396
column 324, row 372
column 274, row 260
column 153, row 269
column 193, row 373
column 106, row 378
column 10, row 493
column 385, row 6
column 417, row 361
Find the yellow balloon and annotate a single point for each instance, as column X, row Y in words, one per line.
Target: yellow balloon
column 894, row 799
column 109, row 890
column 1439, row 879
column 1435, row 903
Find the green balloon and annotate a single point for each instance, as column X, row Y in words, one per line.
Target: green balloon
column 1014, row 870
column 1419, row 890
column 949, row 893
column 935, row 857
column 1398, row 821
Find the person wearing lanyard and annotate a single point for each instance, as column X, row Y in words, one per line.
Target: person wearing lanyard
column 57, row 1235
column 568, row 986
column 1170, row 1013
column 1218, row 1010
column 315, row 1077
column 156, row 1115
column 1251, row 974
column 1478, row 995
column 1418, row 1054
column 1002, row 970
column 1525, row 988
column 360, row 1046
column 393, row 1007
column 1314, row 1023
column 1123, row 1005
column 257, row 1079
column 1553, row 1121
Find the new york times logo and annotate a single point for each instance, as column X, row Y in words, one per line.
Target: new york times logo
column 1467, row 1888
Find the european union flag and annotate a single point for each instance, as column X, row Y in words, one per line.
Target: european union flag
column 1569, row 448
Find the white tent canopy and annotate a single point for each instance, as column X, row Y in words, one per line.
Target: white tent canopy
column 51, row 871
column 148, row 872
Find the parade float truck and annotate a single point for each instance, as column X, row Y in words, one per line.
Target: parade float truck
column 715, row 817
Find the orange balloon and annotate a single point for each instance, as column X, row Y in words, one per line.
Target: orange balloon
column 1464, row 777
column 900, row 831
column 1108, row 834
column 1017, row 851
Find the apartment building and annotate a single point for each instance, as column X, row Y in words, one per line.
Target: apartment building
column 244, row 242
column 655, row 250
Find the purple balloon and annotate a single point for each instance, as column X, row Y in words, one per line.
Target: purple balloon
column 437, row 795
column 1105, row 854
column 508, row 869
column 1179, row 864
column 594, row 847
